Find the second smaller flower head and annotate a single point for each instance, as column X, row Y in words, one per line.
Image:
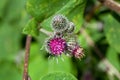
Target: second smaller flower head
column 74, row 49
column 56, row 46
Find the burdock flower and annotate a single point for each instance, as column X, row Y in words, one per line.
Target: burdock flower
column 64, row 39
column 56, row 45
column 74, row 49
column 78, row 52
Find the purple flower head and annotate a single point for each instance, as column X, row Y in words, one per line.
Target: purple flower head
column 56, row 45
column 74, row 49
column 78, row 52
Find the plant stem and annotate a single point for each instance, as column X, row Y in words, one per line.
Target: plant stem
column 27, row 53
column 45, row 32
column 111, row 5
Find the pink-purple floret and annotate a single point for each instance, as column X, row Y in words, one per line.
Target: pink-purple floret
column 57, row 46
column 75, row 49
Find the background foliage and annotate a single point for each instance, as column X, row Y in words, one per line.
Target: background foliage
column 21, row 16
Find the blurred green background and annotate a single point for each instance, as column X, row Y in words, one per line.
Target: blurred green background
column 101, row 24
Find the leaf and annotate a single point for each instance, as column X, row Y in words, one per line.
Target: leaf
column 112, row 31
column 82, row 41
column 76, row 15
column 112, row 56
column 73, row 10
column 31, row 28
column 42, row 9
column 41, row 65
column 58, row 76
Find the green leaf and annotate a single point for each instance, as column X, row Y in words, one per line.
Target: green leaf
column 58, row 76
column 112, row 32
column 76, row 14
column 112, row 56
column 41, row 65
column 42, row 9
column 82, row 41
column 31, row 28
column 73, row 10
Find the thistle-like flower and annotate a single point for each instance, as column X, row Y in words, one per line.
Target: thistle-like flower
column 56, row 45
column 59, row 23
column 64, row 39
column 74, row 49
column 78, row 52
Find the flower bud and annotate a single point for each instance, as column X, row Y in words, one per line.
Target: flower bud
column 71, row 27
column 59, row 23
